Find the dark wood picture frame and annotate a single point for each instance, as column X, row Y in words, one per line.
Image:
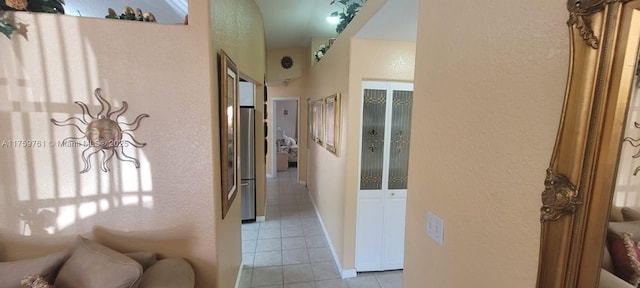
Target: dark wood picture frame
column 228, row 85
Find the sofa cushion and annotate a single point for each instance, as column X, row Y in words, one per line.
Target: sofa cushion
column 169, row 273
column 630, row 214
column 625, row 255
column 616, row 214
column 145, row 259
column 11, row 273
column 92, row 265
column 608, row 280
column 607, row 262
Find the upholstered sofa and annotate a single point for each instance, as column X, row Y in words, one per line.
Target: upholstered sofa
column 617, row 265
column 90, row 264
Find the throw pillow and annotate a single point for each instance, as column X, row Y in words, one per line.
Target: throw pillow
column 11, row 273
column 625, row 254
column 92, row 265
column 35, row 281
column 616, row 214
column 633, row 228
column 630, row 214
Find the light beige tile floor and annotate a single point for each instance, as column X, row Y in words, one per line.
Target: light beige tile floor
column 290, row 250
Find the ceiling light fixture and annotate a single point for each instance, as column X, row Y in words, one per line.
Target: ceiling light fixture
column 333, row 20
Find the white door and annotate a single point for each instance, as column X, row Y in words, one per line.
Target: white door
column 384, row 158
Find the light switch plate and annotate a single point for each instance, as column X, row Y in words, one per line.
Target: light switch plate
column 435, row 228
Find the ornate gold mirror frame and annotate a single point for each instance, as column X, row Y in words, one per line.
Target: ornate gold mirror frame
column 604, row 36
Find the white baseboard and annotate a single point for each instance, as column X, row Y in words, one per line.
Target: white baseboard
column 260, row 218
column 270, row 176
column 302, row 182
column 349, row 273
column 239, row 275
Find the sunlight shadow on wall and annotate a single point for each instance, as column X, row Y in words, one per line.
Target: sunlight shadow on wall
column 44, row 192
column 76, row 196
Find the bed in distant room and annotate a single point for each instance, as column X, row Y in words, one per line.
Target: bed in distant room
column 291, row 148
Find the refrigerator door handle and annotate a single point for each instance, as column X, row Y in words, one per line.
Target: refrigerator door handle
column 245, row 184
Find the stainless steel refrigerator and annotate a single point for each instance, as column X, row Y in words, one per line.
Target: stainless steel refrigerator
column 248, row 163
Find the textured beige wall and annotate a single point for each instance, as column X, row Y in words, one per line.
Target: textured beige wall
column 276, row 73
column 162, row 70
column 489, row 85
column 237, row 29
column 326, row 176
column 370, row 60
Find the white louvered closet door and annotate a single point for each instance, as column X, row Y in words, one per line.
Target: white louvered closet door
column 384, row 159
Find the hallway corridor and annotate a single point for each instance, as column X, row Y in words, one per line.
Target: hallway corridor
column 289, row 249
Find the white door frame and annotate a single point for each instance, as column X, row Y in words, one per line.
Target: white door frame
column 273, row 151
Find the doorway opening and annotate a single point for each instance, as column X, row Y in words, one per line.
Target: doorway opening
column 285, row 135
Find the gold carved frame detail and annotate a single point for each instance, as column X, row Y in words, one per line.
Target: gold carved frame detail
column 579, row 16
column 559, row 198
column 576, row 202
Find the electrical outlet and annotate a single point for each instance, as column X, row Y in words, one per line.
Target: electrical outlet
column 435, row 228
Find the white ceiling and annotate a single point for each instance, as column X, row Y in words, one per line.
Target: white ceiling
column 292, row 23
column 397, row 20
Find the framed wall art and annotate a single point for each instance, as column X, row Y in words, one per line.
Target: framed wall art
column 228, row 85
column 318, row 115
column 310, row 117
column 332, row 123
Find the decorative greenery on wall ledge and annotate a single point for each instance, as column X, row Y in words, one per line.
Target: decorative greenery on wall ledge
column 129, row 14
column 350, row 9
column 320, row 53
column 7, row 27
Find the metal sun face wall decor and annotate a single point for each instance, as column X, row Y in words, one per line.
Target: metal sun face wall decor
column 103, row 133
